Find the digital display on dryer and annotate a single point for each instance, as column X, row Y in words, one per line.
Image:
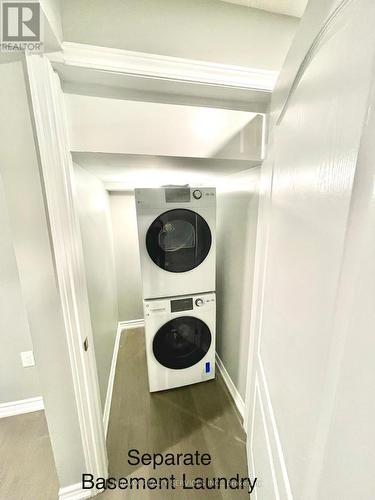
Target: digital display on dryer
column 177, row 195
column 181, row 305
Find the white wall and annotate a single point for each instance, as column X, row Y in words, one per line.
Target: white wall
column 16, row 382
column 207, row 30
column 126, row 248
column 287, row 7
column 52, row 10
column 34, row 256
column 96, row 231
column 312, row 375
column 237, row 213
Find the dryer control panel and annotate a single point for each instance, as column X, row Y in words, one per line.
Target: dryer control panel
column 168, row 198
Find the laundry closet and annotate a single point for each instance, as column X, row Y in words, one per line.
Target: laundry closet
column 239, row 138
column 167, row 197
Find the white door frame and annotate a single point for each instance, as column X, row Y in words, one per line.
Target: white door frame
column 56, row 173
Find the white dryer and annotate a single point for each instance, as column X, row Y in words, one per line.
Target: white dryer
column 180, row 340
column 176, row 230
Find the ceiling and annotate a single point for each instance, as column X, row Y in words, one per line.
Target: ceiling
column 294, row 8
column 126, row 172
column 130, row 144
column 202, row 30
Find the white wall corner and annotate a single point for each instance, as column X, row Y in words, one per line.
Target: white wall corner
column 236, row 396
column 22, row 406
column 52, row 26
column 74, row 492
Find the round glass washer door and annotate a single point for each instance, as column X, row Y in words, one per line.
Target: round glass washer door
column 181, row 342
column 178, row 240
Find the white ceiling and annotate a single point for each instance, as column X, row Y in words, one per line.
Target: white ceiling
column 125, row 172
column 130, row 144
column 294, row 8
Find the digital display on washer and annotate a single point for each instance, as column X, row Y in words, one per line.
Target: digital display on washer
column 177, row 195
column 181, row 305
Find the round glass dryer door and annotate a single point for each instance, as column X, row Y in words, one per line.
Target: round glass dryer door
column 182, row 342
column 178, row 240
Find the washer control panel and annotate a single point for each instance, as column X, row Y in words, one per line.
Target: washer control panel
column 178, row 304
column 191, row 303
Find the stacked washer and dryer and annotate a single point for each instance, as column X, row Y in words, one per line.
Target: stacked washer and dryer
column 176, row 230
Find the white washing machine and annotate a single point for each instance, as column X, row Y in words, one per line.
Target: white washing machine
column 180, row 340
column 176, row 230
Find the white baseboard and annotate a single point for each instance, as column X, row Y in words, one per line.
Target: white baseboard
column 21, row 406
column 111, row 380
column 74, row 492
column 122, row 325
column 236, row 396
column 133, row 323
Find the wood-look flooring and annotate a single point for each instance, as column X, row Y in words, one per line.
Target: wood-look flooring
column 27, row 468
column 197, row 417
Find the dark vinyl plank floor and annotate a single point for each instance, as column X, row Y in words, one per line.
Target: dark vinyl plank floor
column 198, row 417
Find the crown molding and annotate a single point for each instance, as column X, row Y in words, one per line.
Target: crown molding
column 147, row 65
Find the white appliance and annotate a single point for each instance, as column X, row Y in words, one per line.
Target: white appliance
column 180, row 340
column 176, row 230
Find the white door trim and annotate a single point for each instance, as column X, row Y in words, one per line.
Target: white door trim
column 147, row 65
column 56, row 173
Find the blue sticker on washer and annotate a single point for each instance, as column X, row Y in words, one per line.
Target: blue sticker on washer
column 208, row 367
